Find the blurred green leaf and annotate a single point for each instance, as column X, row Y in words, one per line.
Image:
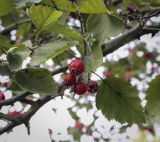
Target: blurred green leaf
column 6, row 6
column 16, row 56
column 62, row 58
column 4, row 42
column 36, row 80
column 155, row 2
column 119, row 100
column 95, row 59
column 153, row 97
column 4, row 70
column 73, row 114
column 75, row 133
column 104, row 26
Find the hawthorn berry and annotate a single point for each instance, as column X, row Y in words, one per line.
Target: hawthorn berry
column 106, row 74
column 2, row 96
column 132, row 7
column 80, row 88
column 5, row 84
column 78, row 126
column 69, row 79
column 149, row 55
column 92, row 86
column 14, row 113
column 76, row 67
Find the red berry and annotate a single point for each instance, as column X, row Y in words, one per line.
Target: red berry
column 80, row 88
column 149, row 55
column 106, row 74
column 69, row 79
column 92, row 86
column 132, row 7
column 14, row 113
column 76, row 67
column 2, row 96
column 5, row 84
column 78, row 126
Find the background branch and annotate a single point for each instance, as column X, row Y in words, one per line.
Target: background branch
column 26, row 116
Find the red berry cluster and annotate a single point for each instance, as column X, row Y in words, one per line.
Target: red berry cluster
column 76, row 68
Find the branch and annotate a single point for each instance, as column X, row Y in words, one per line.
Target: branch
column 26, row 116
column 134, row 33
column 59, row 70
column 14, row 26
column 12, row 100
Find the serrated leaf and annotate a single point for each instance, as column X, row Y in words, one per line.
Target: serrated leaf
column 5, row 7
column 85, row 6
column 16, row 56
column 118, row 100
column 50, row 50
column 104, row 26
column 153, row 97
column 36, row 81
column 43, row 17
column 66, row 31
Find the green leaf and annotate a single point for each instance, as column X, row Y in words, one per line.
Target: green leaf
column 75, row 133
column 50, row 50
column 155, row 2
column 43, row 17
column 95, row 59
column 16, row 56
column 4, row 42
column 153, row 97
column 66, row 31
column 85, row 6
column 119, row 100
column 16, row 90
column 62, row 58
column 36, row 81
column 104, row 26
column 5, row 7
column 4, row 70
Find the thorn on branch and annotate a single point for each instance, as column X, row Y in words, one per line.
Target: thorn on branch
column 27, row 124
